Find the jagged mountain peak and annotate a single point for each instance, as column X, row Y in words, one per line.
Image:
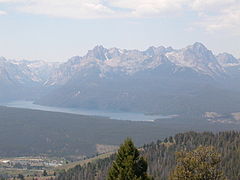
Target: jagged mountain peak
column 100, row 65
column 99, row 48
column 152, row 50
column 199, row 52
column 227, row 59
column 198, row 58
column 119, row 78
column 198, row 47
column 98, row 52
column 103, row 61
column 26, row 72
column 113, row 52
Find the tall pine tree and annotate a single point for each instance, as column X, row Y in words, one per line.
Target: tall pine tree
column 129, row 165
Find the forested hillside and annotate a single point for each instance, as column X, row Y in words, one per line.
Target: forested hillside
column 161, row 156
column 64, row 135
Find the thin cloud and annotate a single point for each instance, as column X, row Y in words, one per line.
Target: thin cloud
column 3, row 13
column 86, row 9
column 211, row 5
column 212, row 15
column 227, row 19
column 150, row 8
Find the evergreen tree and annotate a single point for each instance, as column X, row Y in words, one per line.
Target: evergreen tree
column 162, row 156
column 128, row 164
column 20, row 176
column 199, row 164
column 44, row 173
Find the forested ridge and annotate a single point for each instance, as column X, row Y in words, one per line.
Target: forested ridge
column 160, row 156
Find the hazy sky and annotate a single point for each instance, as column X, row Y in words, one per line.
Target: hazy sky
column 55, row 30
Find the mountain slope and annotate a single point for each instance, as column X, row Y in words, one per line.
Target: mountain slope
column 106, row 62
column 22, row 79
column 157, row 80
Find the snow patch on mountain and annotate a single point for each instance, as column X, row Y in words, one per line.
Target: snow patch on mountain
column 198, row 58
column 25, row 72
column 103, row 63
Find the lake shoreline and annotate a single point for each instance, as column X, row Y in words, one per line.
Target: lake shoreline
column 125, row 116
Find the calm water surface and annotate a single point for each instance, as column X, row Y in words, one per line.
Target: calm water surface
column 109, row 114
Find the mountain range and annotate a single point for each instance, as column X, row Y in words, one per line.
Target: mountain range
column 156, row 80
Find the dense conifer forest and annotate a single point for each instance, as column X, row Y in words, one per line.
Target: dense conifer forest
column 161, row 159
column 72, row 135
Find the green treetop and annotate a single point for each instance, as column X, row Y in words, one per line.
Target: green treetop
column 129, row 165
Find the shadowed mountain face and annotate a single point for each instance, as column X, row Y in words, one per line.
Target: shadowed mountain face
column 157, row 80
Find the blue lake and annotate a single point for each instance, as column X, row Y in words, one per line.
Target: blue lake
column 112, row 115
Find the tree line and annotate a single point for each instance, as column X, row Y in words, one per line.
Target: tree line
column 190, row 155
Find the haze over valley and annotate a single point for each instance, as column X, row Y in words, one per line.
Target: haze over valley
column 172, row 90
column 191, row 81
column 119, row 90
